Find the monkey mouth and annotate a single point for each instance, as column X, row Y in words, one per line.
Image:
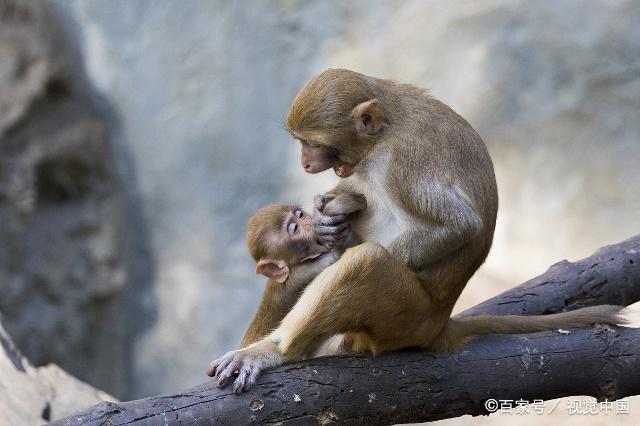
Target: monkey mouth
column 343, row 170
column 315, row 256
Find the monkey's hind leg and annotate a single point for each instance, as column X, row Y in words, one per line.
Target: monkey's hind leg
column 367, row 292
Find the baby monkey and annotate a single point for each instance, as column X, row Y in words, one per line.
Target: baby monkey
column 282, row 241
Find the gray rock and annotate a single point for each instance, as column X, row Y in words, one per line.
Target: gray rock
column 61, row 209
column 30, row 395
column 199, row 92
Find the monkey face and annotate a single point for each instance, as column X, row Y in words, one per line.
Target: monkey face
column 337, row 117
column 280, row 237
column 299, row 232
column 316, row 158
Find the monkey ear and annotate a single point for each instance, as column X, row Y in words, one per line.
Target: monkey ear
column 276, row 270
column 369, row 117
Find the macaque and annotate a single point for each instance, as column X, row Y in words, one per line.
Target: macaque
column 432, row 203
column 281, row 239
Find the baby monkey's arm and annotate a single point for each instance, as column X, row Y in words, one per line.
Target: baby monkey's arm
column 278, row 298
column 346, row 204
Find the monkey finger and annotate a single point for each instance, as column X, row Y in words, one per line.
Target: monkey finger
column 343, row 235
column 334, row 241
column 220, row 365
column 253, row 375
column 334, row 230
column 321, row 200
column 222, row 379
column 217, row 366
column 322, row 220
column 336, row 237
column 225, row 374
column 240, row 382
column 211, row 370
column 331, row 230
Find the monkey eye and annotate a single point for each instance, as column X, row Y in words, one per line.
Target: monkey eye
column 298, row 213
column 292, row 228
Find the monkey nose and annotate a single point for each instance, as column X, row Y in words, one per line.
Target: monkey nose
column 306, row 166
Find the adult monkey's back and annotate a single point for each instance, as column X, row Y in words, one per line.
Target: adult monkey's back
column 424, row 170
column 432, row 204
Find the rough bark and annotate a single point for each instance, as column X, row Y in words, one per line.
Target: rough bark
column 610, row 276
column 414, row 385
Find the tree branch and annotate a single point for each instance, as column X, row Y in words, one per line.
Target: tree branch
column 414, row 385
column 611, row 276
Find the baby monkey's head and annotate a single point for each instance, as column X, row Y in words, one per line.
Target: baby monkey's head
column 281, row 236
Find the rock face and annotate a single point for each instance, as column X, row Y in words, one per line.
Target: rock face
column 61, row 211
column 199, row 91
column 30, row 395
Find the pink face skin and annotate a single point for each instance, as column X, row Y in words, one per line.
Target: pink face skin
column 302, row 239
column 317, row 158
column 298, row 243
column 343, row 170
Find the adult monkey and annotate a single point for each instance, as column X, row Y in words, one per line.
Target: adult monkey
column 432, row 203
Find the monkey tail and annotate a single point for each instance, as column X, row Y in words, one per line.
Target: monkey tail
column 459, row 331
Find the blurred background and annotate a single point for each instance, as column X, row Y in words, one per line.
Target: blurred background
column 137, row 137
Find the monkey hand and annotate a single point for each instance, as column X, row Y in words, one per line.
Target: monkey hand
column 331, row 230
column 348, row 203
column 248, row 362
column 321, row 200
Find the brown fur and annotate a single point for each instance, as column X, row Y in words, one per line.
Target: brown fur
column 443, row 179
column 266, row 238
column 432, row 196
column 460, row 331
column 263, row 239
column 277, row 300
